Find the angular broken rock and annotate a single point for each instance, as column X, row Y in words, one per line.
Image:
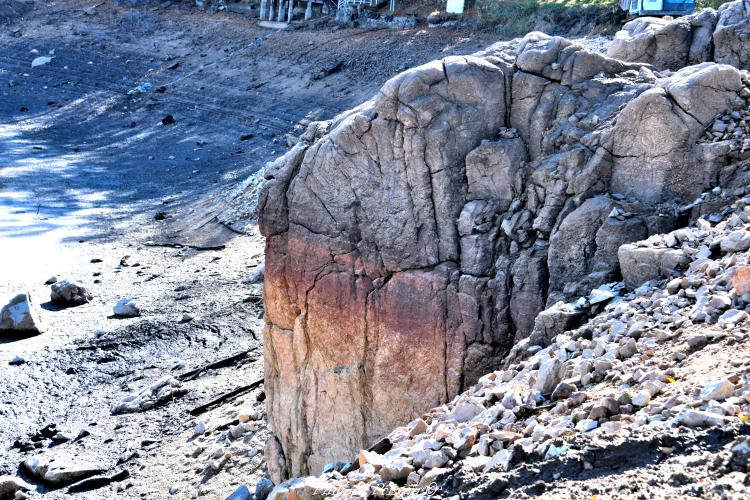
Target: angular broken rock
column 21, row 315
column 256, row 276
column 736, row 241
column 732, row 317
column 550, row 374
column 60, row 471
column 393, row 470
column 69, row 293
column 562, row 391
column 466, row 411
column 741, row 280
column 429, row 459
column 717, row 390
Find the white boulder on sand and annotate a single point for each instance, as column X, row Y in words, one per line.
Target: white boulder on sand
column 126, row 308
column 22, row 315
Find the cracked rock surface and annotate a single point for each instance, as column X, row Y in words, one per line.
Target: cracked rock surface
column 651, row 397
column 412, row 241
column 721, row 36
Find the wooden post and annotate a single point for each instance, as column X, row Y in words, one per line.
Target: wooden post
column 290, row 11
column 308, row 10
column 280, row 16
column 263, row 10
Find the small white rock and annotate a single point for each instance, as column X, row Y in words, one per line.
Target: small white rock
column 126, row 308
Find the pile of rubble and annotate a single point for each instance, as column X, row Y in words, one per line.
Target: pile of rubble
column 733, row 127
column 669, row 354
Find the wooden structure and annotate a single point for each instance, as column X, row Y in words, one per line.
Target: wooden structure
column 283, row 10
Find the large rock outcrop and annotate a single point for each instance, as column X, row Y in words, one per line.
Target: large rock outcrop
column 721, row 36
column 732, row 34
column 413, row 240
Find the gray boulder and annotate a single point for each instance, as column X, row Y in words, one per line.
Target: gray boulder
column 22, row 315
column 653, row 138
column 653, row 40
column 721, row 36
column 732, row 35
column 68, row 293
column 640, row 264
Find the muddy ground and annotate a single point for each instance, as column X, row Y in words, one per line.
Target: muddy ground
column 90, row 173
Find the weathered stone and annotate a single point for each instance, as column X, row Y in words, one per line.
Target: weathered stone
column 429, row 459
column 642, row 398
column 466, row 411
column 557, row 319
column 641, row 264
column 562, row 391
column 732, row 35
column 60, row 471
column 163, row 390
column 491, row 169
column 661, row 42
column 736, row 241
column 68, row 293
column 701, row 37
column 394, row 470
column 303, row 488
column 654, row 133
column 733, row 317
column 500, row 460
column 275, row 462
column 243, row 493
column 431, row 476
column 21, row 315
column 741, row 280
column 698, row 418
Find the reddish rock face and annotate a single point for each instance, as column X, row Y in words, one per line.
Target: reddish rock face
column 741, row 280
column 413, row 240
